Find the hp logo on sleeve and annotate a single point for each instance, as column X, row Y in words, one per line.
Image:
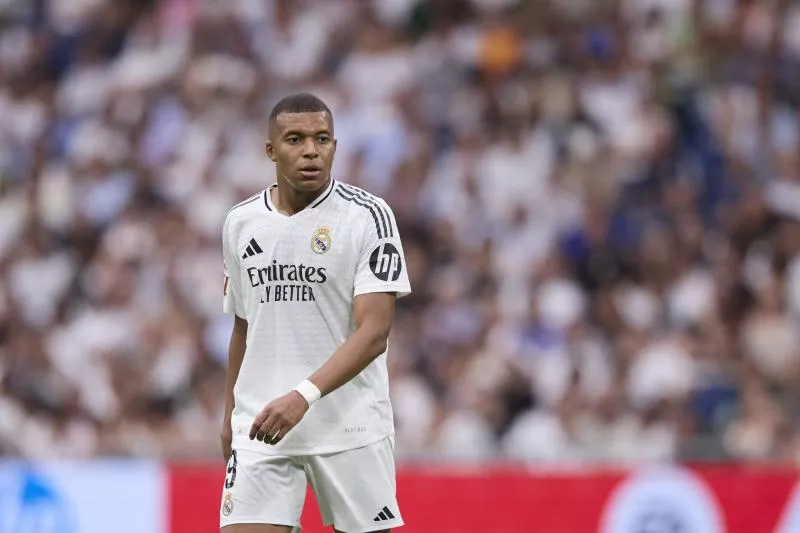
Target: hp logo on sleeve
column 385, row 262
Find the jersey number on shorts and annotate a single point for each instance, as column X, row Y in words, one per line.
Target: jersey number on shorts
column 230, row 479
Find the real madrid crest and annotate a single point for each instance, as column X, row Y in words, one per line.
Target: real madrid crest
column 321, row 241
column 227, row 505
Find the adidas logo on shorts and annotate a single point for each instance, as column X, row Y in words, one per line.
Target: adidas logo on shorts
column 385, row 514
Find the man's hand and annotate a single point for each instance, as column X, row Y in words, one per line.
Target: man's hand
column 278, row 418
column 226, row 439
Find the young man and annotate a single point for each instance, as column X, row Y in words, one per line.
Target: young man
column 312, row 271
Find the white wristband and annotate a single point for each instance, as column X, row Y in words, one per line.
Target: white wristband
column 309, row 391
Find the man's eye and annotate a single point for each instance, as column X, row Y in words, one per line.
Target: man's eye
column 323, row 139
column 293, row 139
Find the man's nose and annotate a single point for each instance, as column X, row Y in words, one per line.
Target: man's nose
column 310, row 149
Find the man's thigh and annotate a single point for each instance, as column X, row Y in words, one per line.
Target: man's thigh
column 356, row 489
column 382, row 531
column 262, row 494
column 256, row 528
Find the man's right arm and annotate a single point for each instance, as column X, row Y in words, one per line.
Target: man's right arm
column 232, row 303
column 235, row 356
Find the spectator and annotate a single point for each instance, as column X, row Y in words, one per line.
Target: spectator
column 599, row 200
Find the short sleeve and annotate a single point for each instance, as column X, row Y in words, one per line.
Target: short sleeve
column 232, row 301
column 382, row 263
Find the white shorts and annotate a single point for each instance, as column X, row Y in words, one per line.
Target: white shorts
column 355, row 489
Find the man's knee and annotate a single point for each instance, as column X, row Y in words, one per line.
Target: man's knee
column 255, row 528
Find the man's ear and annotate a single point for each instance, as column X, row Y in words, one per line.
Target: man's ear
column 270, row 150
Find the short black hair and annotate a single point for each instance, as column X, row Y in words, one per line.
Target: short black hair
column 299, row 103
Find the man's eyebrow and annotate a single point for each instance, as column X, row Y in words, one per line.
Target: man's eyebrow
column 303, row 133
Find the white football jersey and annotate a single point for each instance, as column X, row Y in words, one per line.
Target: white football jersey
column 294, row 280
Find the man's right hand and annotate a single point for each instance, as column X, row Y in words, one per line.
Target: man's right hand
column 235, row 357
column 226, row 439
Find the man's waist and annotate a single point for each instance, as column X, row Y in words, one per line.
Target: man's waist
column 310, row 446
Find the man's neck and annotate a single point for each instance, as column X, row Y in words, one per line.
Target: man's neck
column 290, row 201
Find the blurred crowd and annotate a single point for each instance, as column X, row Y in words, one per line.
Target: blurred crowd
column 599, row 201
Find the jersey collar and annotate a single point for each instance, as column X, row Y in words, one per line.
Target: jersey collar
column 316, row 203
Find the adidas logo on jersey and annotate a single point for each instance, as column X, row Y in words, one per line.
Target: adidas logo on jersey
column 252, row 249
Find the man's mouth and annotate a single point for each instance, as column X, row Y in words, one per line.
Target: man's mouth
column 310, row 171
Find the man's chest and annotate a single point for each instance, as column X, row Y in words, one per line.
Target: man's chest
column 296, row 262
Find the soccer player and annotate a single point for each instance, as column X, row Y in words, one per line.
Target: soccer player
column 312, row 271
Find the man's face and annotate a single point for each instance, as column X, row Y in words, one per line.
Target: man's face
column 302, row 146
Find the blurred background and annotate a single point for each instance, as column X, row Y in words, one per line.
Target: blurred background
column 599, row 201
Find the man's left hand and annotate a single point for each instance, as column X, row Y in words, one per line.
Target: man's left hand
column 278, row 418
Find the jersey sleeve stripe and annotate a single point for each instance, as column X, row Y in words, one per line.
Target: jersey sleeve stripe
column 353, row 196
column 245, row 202
column 365, row 206
column 385, row 218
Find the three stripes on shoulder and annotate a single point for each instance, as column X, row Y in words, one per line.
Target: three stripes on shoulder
column 245, row 202
column 380, row 215
column 383, row 222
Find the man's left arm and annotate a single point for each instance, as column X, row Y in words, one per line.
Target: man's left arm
column 373, row 313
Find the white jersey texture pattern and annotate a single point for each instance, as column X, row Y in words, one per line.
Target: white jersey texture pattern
column 294, row 280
